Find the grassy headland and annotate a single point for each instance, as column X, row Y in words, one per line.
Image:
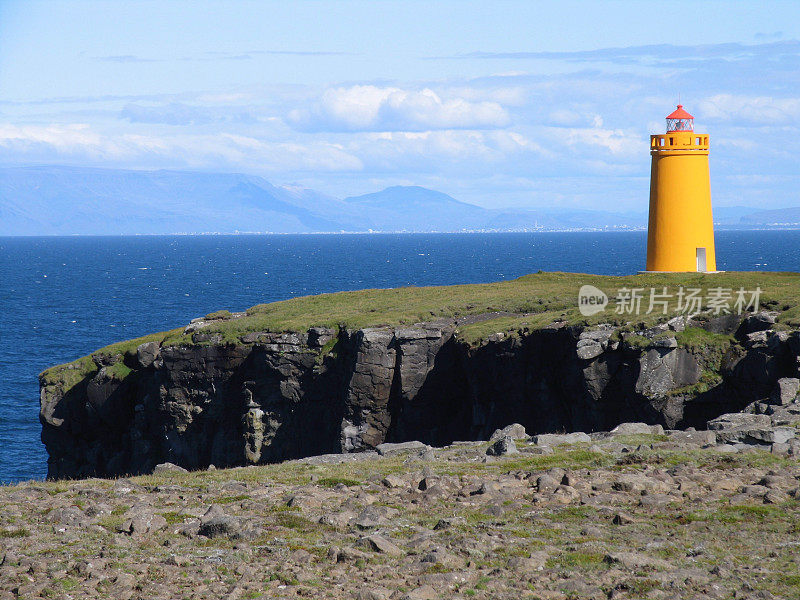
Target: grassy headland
column 529, row 302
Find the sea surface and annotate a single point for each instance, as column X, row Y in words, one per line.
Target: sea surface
column 63, row 297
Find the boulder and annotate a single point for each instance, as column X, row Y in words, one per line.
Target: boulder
column 390, row 449
column 68, row 515
column 760, row 321
column 147, row 354
column 215, row 523
column 746, row 428
column 737, row 421
column 592, row 343
column 514, row 431
column 505, row 445
column 319, row 336
column 637, row 429
column 371, row 516
column 700, row 438
column 546, row 484
column 635, row 561
column 394, row 481
column 384, row 546
column 168, row 467
column 141, row 520
column 785, row 392
column 555, row 439
column 665, row 369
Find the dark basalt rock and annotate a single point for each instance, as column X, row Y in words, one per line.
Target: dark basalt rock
column 278, row 396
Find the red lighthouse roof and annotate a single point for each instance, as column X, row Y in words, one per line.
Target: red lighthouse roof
column 679, row 113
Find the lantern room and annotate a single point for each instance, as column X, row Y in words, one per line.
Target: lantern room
column 680, row 120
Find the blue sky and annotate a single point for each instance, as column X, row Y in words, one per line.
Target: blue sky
column 503, row 104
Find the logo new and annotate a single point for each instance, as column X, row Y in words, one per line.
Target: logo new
column 591, row 300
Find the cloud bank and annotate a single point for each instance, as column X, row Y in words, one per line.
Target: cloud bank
column 371, row 108
column 519, row 137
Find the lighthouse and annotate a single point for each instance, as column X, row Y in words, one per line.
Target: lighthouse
column 680, row 232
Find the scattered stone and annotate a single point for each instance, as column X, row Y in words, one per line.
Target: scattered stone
column 448, row 523
column 539, row 450
column 622, row 518
column 504, row 445
column 515, row 431
column 747, row 428
column 425, row 592
column 592, row 531
column 215, row 523
column 546, row 483
column 394, row 481
column 727, row 449
column 556, row 439
column 389, row 449
column 757, row 322
column 427, row 483
column 68, row 515
column 350, row 554
column 370, row 517
column 785, row 392
column 168, row 468
column 141, row 520
column 731, row 421
column 634, row 561
column 147, row 353
column 384, row 546
column 637, row 429
column 691, row 436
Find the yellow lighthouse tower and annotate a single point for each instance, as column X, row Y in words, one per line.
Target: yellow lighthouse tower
column 680, row 233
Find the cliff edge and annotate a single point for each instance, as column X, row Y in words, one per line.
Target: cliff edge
column 347, row 372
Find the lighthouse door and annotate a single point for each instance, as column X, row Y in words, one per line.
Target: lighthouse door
column 701, row 260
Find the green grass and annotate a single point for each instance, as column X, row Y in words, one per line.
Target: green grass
column 742, row 513
column 70, row 374
column 230, row 499
column 696, row 338
column 329, row 348
column 173, row 518
column 534, row 301
column 119, row 370
column 14, row 533
column 708, row 380
column 219, row 314
column 637, row 341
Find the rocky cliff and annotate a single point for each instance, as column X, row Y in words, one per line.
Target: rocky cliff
column 268, row 396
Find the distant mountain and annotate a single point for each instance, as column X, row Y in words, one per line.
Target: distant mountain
column 65, row 200
column 413, row 208
column 69, row 200
column 731, row 215
column 775, row 217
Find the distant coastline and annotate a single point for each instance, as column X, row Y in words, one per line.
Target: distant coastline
column 53, row 200
column 719, row 227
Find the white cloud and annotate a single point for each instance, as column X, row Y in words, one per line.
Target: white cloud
column 79, row 142
column 616, row 141
column 372, row 108
column 759, row 110
column 59, row 138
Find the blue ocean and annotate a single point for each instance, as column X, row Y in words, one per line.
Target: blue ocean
column 62, row 298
